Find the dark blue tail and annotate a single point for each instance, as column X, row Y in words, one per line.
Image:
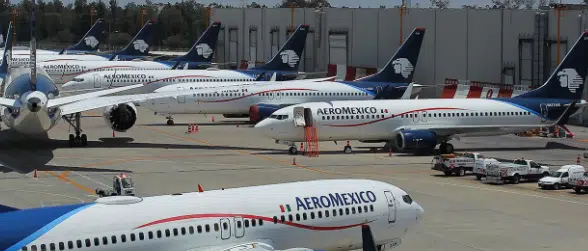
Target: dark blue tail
column 139, row 46
column 7, row 55
column 2, row 38
column 90, row 41
column 400, row 68
column 203, row 49
column 288, row 57
column 567, row 81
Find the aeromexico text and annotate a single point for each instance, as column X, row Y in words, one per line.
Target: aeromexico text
column 125, row 76
column 346, row 110
column 335, row 200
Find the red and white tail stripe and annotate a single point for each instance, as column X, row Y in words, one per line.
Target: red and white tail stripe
column 349, row 73
column 455, row 88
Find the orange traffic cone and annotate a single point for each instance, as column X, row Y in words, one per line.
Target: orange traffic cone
column 113, row 134
column 35, row 174
column 294, row 161
column 389, row 151
column 200, row 189
column 212, row 118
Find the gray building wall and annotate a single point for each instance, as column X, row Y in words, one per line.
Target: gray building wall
column 459, row 43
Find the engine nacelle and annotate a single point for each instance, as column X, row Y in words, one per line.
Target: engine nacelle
column 416, row 140
column 235, row 116
column 121, row 117
column 261, row 111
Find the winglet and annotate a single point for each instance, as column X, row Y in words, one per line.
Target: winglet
column 7, row 56
column 367, row 239
column 408, row 91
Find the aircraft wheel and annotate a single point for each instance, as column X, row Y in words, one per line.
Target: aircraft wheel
column 170, row 122
column 72, row 142
column 84, row 140
column 446, row 148
column 293, row 150
column 347, row 149
column 461, row 172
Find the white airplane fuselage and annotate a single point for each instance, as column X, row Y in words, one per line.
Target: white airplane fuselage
column 153, row 79
column 381, row 119
column 321, row 215
column 240, row 98
column 64, row 71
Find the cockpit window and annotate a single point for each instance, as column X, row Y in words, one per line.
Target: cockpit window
column 273, row 116
column 278, row 117
column 407, row 199
column 78, row 79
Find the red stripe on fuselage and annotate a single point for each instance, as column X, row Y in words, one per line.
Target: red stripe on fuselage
column 396, row 115
column 253, row 94
column 177, row 77
column 249, row 216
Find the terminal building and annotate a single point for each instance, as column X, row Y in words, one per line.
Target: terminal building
column 490, row 48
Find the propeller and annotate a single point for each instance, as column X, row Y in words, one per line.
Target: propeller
column 367, row 239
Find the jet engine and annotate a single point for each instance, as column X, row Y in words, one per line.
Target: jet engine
column 416, row 140
column 261, row 111
column 121, row 117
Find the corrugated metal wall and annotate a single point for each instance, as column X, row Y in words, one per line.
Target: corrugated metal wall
column 459, row 43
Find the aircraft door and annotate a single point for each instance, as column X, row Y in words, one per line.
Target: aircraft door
column 97, row 81
column 225, row 229
column 308, row 120
column 544, row 112
column 239, row 227
column 181, row 98
column 299, row 120
column 391, row 206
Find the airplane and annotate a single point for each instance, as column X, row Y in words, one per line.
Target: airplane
column 137, row 48
column 88, row 43
column 256, row 100
column 320, row 214
column 98, row 76
column 418, row 126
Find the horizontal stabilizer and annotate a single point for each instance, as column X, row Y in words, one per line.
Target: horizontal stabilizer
column 6, row 209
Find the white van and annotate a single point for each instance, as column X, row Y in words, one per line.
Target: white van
column 566, row 176
column 480, row 167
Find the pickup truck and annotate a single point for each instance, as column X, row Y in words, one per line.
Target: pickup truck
column 514, row 172
column 580, row 184
column 456, row 164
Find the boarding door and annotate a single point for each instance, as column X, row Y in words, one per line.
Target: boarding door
column 97, row 81
column 544, row 112
column 225, row 229
column 181, row 97
column 391, row 206
column 239, row 227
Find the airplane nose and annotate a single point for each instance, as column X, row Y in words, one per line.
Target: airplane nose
column 34, row 104
column 264, row 127
column 68, row 85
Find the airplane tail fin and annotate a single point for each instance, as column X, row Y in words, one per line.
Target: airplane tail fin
column 7, row 55
column 2, row 40
column 400, row 68
column 91, row 40
column 203, row 49
column 33, row 54
column 139, row 46
column 567, row 81
column 289, row 56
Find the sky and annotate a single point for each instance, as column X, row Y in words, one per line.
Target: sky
column 353, row 3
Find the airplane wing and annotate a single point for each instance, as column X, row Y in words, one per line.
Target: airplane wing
column 9, row 102
column 86, row 96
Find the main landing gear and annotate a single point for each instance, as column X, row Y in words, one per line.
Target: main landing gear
column 445, row 148
column 170, row 120
column 79, row 139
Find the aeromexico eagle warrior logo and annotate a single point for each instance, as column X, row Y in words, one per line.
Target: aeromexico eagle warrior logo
column 140, row 45
column 289, row 57
column 570, row 78
column 91, row 41
column 204, row 50
column 403, row 66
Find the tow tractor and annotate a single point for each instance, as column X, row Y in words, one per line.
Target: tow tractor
column 121, row 185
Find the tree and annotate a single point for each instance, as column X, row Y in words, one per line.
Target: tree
column 466, row 6
column 256, row 5
column 304, row 4
column 513, row 4
column 441, row 4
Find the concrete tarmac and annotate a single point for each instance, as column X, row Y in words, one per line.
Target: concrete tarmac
column 461, row 213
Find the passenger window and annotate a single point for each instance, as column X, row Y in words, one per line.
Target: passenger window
column 104, row 240
column 320, row 214
column 246, row 223
column 52, row 247
column 359, row 209
column 167, row 233
column 290, row 218
column 183, row 231
column 225, row 226
column 327, row 213
column 199, row 228
column 304, row 216
column 43, row 247
column 297, row 217
column 191, row 229
column 275, row 220
column 70, row 245
column 260, row 222
column 207, row 228
column 353, row 210
column 150, row 235
column 96, row 241
column 61, row 246
column 216, row 228
column 88, row 243
column 34, row 248
column 141, row 236
column 158, row 233
column 175, row 232
column 372, row 208
column 311, row 215
column 123, row 238
column 253, row 222
column 79, row 243
column 340, row 211
column 239, row 224
column 334, row 212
